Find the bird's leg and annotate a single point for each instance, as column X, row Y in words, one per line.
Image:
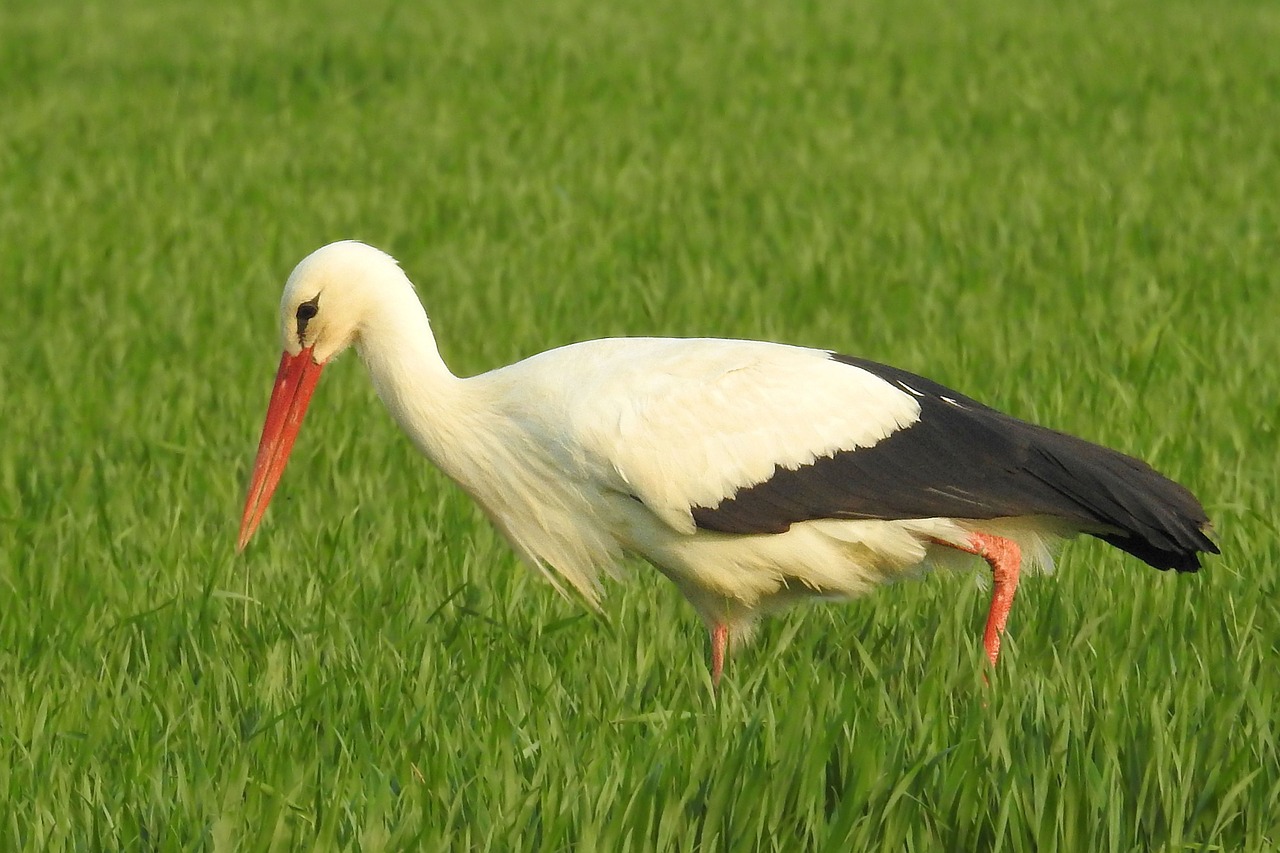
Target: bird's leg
column 1005, row 558
column 719, row 643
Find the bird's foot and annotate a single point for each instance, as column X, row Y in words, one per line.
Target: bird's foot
column 719, row 645
column 1005, row 558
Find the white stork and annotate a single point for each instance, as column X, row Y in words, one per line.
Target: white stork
column 753, row 475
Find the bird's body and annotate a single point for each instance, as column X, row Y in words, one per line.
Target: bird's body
column 586, row 452
column 751, row 474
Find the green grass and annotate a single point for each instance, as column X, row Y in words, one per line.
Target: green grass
column 1069, row 210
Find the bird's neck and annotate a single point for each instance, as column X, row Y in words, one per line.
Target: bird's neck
column 430, row 404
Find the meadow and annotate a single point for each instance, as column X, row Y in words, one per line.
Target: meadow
column 1068, row 210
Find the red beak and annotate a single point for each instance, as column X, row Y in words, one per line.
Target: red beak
column 295, row 381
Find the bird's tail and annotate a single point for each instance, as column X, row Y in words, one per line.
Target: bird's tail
column 1137, row 509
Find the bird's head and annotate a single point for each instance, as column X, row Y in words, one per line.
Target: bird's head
column 328, row 301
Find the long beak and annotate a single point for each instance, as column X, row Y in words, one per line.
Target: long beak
column 295, row 381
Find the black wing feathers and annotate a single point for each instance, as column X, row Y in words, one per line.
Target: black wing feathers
column 962, row 459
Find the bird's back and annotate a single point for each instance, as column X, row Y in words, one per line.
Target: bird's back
column 746, row 437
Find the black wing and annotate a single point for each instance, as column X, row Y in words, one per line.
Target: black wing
column 962, row 459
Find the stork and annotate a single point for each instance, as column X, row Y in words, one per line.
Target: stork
column 752, row 475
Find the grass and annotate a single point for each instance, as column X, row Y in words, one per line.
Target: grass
column 1067, row 210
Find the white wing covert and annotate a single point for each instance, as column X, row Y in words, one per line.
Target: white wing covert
column 691, row 422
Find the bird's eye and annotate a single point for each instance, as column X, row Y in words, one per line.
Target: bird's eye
column 305, row 312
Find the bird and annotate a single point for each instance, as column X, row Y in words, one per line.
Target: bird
column 753, row 475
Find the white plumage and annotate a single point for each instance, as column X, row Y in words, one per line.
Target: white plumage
column 594, row 450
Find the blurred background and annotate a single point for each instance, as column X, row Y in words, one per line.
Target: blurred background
column 1067, row 210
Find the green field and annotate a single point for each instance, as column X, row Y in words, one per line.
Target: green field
column 1068, row 210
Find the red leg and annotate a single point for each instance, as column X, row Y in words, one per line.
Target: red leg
column 1005, row 558
column 719, row 642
